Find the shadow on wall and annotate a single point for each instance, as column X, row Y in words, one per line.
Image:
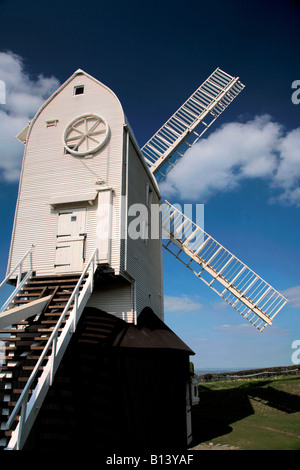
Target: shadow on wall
column 119, row 386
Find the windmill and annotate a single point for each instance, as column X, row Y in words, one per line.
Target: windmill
column 82, row 172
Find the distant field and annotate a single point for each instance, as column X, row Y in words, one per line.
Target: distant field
column 251, row 414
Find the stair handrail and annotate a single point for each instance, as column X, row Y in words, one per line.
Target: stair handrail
column 20, row 281
column 22, row 401
column 19, row 265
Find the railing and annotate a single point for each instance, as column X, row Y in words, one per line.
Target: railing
column 52, row 343
column 20, row 281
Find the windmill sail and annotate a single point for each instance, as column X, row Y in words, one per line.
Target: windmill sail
column 190, row 122
column 223, row 272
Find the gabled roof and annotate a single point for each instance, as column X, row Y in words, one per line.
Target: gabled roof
column 24, row 134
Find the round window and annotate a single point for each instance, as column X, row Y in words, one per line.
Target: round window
column 85, row 135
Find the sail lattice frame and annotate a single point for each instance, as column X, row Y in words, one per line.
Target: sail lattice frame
column 230, row 278
column 163, row 151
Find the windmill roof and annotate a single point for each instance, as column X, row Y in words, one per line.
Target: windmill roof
column 149, row 333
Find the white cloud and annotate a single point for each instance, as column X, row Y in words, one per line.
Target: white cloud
column 288, row 173
column 236, row 328
column 24, row 96
column 293, row 295
column 181, row 305
column 241, row 330
column 235, row 152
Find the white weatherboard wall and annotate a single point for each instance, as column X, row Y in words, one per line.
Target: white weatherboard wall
column 104, row 185
column 51, row 175
column 115, row 297
column 144, row 257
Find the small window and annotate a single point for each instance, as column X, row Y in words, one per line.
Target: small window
column 52, row 123
column 79, row 90
column 73, row 218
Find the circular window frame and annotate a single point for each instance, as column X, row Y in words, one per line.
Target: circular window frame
column 84, row 136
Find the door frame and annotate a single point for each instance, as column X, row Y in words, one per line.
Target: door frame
column 69, row 240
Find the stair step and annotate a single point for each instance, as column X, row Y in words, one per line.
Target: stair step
column 22, row 343
column 53, row 282
column 37, row 289
column 37, row 348
column 28, row 294
column 25, row 298
column 63, row 293
column 4, row 368
column 51, row 322
column 11, row 404
column 21, row 302
column 61, row 286
column 56, row 307
column 36, row 358
column 60, row 277
column 32, row 367
column 12, row 339
column 48, row 330
column 23, row 378
column 19, row 335
column 9, row 338
column 42, row 338
column 12, row 330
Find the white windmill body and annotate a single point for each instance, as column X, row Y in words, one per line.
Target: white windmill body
column 82, row 169
column 87, row 204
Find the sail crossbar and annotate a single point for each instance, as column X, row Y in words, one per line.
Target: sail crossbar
column 229, row 277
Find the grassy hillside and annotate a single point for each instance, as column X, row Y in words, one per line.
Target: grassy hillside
column 253, row 414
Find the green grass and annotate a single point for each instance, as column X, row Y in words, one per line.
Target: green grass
column 256, row 414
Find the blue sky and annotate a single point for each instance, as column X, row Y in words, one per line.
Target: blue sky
column 153, row 56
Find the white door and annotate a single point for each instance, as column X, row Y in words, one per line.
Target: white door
column 71, row 237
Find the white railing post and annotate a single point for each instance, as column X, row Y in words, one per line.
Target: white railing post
column 92, row 279
column 19, row 281
column 75, row 308
column 53, row 354
column 15, row 268
column 20, row 273
column 30, row 258
column 22, row 421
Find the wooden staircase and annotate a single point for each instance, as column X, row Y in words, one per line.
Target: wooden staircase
column 22, row 343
